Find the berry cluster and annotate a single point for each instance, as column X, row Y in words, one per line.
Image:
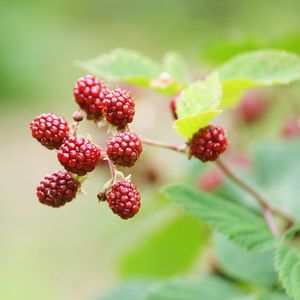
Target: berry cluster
column 78, row 155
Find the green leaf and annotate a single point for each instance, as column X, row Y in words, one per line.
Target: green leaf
column 238, row 224
column 160, row 254
column 127, row 291
column 175, row 65
column 276, row 169
column 209, row 288
column 257, row 68
column 197, row 105
column 250, row 267
column 292, row 232
column 124, row 66
column 288, row 268
column 190, row 125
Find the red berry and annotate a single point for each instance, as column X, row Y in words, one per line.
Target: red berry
column 208, row 143
column 252, row 107
column 291, row 128
column 124, row 149
column 173, row 105
column 89, row 94
column 210, row 180
column 50, row 130
column 118, row 108
column 57, row 188
column 78, row 155
column 124, row 199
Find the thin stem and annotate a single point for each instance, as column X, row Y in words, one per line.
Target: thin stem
column 113, row 170
column 262, row 201
column 270, row 221
column 150, row 142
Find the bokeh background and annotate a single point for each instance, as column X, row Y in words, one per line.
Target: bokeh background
column 82, row 249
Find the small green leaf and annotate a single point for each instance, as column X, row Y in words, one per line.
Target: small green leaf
column 209, row 288
column 240, row 225
column 257, row 68
column 190, row 125
column 197, row 105
column 124, row 66
column 175, row 65
column 288, row 268
column 160, row 253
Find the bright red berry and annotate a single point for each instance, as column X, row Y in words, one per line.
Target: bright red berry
column 291, row 128
column 78, row 155
column 57, row 188
column 89, row 94
column 50, row 130
column 173, row 105
column 124, row 199
column 208, row 143
column 118, row 108
column 211, row 180
column 124, row 149
column 252, row 107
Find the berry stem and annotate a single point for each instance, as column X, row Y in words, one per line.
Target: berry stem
column 150, row 142
column 113, row 170
column 264, row 203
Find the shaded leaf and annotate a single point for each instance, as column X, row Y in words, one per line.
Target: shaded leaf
column 167, row 251
column 238, row 224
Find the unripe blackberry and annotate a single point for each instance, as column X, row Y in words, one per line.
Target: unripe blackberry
column 89, row 94
column 124, row 199
column 118, row 108
column 208, row 143
column 78, row 155
column 124, row 149
column 252, row 107
column 210, row 180
column 57, row 188
column 291, row 128
column 50, row 130
column 173, row 105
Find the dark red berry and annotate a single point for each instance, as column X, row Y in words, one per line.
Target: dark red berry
column 57, row 188
column 118, row 108
column 252, row 107
column 78, row 155
column 208, row 143
column 89, row 94
column 211, row 180
column 291, row 128
column 173, row 105
column 124, row 149
column 50, row 130
column 124, row 199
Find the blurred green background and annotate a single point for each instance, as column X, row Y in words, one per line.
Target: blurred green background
column 77, row 251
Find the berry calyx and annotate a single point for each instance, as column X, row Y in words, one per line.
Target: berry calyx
column 89, row 94
column 57, row 188
column 50, row 130
column 118, row 108
column 78, row 155
column 124, row 199
column 208, row 143
column 124, row 149
column 173, row 105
